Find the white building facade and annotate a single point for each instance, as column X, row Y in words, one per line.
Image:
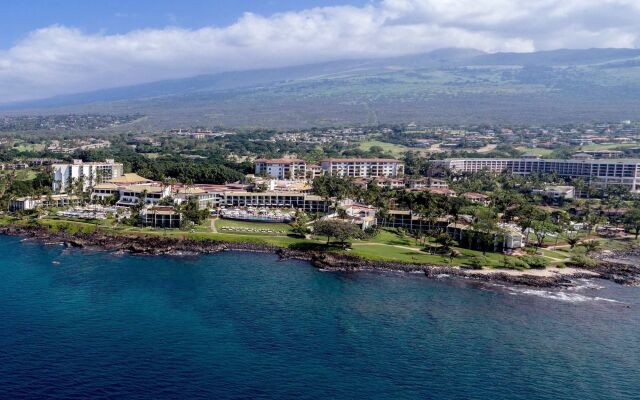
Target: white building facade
column 600, row 173
column 282, row 168
column 363, row 167
column 86, row 173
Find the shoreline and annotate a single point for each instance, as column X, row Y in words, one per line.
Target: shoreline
column 619, row 272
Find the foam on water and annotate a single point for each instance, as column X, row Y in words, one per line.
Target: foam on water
column 561, row 295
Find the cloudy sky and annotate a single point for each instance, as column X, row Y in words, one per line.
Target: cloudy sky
column 68, row 46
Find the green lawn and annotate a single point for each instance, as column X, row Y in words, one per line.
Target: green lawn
column 535, row 150
column 29, row 147
column 386, row 246
column 392, row 253
column 241, row 226
column 21, row 174
column 395, row 149
column 611, row 146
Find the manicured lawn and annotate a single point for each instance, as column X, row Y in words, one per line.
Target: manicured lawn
column 395, row 149
column 21, row 174
column 606, row 146
column 401, row 254
column 386, row 246
column 536, row 150
column 243, row 226
column 30, row 147
column 389, row 236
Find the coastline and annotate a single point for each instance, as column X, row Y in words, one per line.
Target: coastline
column 620, row 272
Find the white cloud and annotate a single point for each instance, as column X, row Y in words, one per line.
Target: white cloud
column 58, row 59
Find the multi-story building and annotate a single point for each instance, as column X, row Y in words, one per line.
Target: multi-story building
column 282, row 168
column 363, row 167
column 160, row 217
column 87, row 174
column 306, row 202
column 600, row 173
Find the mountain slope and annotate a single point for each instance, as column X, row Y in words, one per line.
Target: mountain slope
column 444, row 86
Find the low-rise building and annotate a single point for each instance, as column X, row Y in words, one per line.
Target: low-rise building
column 478, row 198
column 305, row 202
column 557, row 192
column 160, row 217
column 31, row 203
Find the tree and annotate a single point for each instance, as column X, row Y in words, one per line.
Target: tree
column 445, row 240
column 341, row 231
column 299, row 226
column 191, row 212
column 329, row 186
column 632, row 221
column 590, row 246
column 542, row 229
column 485, row 225
column 573, row 239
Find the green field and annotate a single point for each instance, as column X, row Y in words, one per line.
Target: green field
column 535, row 150
column 21, row 174
column 239, row 226
column 30, row 147
column 394, row 149
column 614, row 146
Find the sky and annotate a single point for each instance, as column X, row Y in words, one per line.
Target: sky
column 54, row 47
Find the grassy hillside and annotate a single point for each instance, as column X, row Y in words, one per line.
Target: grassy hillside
column 455, row 86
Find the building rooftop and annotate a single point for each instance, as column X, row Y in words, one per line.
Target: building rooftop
column 390, row 160
column 279, row 160
column 130, row 178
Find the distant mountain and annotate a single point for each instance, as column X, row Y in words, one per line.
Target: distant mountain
column 443, row 86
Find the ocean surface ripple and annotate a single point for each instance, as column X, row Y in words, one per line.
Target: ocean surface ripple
column 79, row 324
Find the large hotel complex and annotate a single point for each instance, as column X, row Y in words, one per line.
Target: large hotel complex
column 291, row 168
column 600, row 173
column 87, row 174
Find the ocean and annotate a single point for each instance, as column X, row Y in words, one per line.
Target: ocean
column 83, row 324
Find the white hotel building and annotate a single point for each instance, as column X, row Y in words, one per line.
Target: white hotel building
column 600, row 173
column 282, row 168
column 90, row 173
column 363, row 167
column 291, row 168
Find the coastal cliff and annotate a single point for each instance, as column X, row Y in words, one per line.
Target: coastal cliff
column 623, row 273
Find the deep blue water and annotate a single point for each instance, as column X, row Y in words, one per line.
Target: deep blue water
column 79, row 324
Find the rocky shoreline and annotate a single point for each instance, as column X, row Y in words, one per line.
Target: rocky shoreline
column 623, row 273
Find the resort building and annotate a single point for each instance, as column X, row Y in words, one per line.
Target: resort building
column 600, row 172
column 507, row 239
column 206, row 199
column 31, row 203
column 87, row 174
column 557, row 192
column 363, row 167
column 305, row 202
column 160, row 217
column 282, row 168
column 131, row 195
column 420, row 183
column 106, row 190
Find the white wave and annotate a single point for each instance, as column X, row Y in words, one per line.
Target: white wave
column 559, row 295
column 584, row 284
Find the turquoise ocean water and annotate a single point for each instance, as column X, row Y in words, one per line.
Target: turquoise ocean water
column 81, row 324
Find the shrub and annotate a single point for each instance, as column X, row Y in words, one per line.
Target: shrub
column 516, row 263
column 477, row 262
column 581, row 261
column 536, row 262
